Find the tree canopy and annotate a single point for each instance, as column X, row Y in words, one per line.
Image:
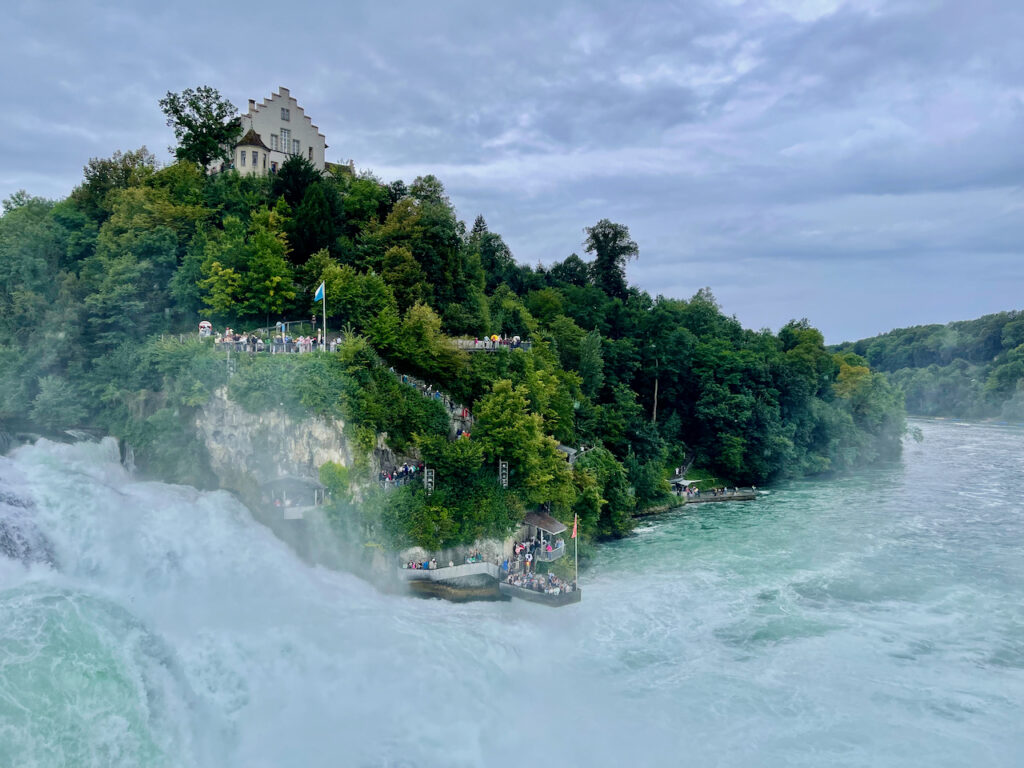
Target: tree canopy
column 205, row 124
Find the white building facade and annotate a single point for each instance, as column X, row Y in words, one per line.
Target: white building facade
column 274, row 130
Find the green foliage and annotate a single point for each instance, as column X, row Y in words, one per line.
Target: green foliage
column 104, row 175
column 612, row 248
column 205, row 124
column 293, row 180
column 187, row 372
column 335, row 478
column 968, row 369
column 58, row 404
column 591, row 363
column 506, row 428
column 268, row 383
column 246, row 274
column 362, row 301
column 614, row 500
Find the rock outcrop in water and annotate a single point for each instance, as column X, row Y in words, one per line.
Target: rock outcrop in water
column 20, row 537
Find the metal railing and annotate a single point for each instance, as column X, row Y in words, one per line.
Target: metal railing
column 486, row 345
column 556, row 552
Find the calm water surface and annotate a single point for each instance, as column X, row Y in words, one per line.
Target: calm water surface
column 872, row 620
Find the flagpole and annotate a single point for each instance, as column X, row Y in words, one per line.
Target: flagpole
column 576, row 538
column 325, row 317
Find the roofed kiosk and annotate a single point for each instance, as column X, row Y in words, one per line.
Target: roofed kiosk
column 545, row 522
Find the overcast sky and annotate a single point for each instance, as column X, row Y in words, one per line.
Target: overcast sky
column 855, row 162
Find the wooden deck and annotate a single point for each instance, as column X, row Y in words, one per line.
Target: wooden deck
column 731, row 496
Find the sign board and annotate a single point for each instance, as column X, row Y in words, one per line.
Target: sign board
column 428, row 480
column 503, row 473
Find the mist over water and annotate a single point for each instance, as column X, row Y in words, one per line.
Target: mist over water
column 874, row 620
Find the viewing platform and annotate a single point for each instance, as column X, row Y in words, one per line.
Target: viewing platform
column 486, row 580
column 543, row 598
column 680, row 485
column 489, row 345
column 449, row 572
column 294, row 496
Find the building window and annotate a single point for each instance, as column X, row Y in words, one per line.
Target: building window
column 255, row 159
column 311, row 154
column 264, row 161
column 285, row 139
column 273, row 141
column 296, row 149
column 242, row 163
column 286, row 114
column 273, row 167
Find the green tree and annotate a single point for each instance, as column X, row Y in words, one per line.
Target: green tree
column 615, row 515
column 591, row 363
column 267, row 286
column 314, row 226
column 507, row 429
column 293, row 180
column 406, row 278
column 205, row 124
column 58, row 404
column 612, row 248
column 104, row 175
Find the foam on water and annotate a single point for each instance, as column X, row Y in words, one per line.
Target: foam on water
column 871, row 620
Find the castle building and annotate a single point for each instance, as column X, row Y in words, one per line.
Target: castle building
column 274, row 130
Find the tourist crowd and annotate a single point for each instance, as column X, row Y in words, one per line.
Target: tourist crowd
column 278, row 344
column 526, row 553
column 426, row 565
column 536, row 582
column 399, row 476
column 428, row 391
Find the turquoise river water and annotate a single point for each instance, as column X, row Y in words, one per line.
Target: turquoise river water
column 870, row 620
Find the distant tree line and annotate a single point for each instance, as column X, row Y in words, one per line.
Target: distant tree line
column 967, row 369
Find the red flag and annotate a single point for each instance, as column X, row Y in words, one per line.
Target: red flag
column 574, row 518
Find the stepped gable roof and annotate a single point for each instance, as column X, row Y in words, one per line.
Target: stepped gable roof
column 252, row 139
column 544, row 522
column 284, row 93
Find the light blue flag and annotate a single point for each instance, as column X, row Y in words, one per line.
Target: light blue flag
column 319, row 293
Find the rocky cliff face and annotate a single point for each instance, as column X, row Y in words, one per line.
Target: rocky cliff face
column 247, row 450
column 250, row 447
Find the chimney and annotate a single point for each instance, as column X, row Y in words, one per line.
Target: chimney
column 252, row 106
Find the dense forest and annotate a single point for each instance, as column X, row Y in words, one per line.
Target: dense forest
column 965, row 369
column 96, row 289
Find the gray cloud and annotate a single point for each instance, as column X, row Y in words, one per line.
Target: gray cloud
column 857, row 162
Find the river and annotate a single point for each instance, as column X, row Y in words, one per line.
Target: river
column 870, row 620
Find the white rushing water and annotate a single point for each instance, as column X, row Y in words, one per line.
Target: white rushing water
column 874, row 620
